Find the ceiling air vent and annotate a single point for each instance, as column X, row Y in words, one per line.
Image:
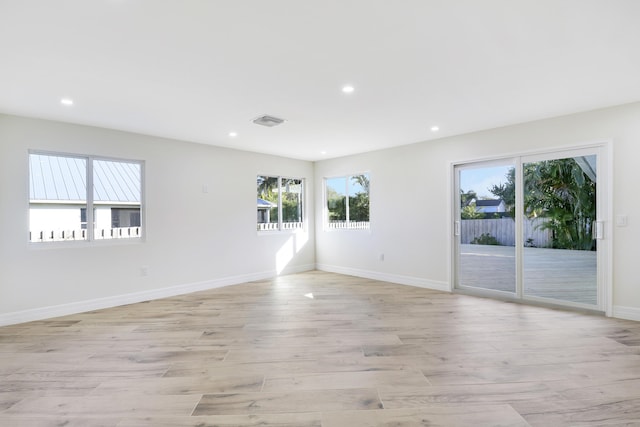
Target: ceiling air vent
column 268, row 121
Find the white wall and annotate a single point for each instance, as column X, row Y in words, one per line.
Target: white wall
column 411, row 196
column 194, row 239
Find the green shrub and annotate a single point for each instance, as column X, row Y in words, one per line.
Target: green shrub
column 485, row 239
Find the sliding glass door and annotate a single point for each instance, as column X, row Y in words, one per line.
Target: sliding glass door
column 485, row 228
column 529, row 228
column 560, row 228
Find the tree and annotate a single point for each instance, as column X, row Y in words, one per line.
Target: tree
column 470, row 212
column 359, row 203
column 335, row 205
column 507, row 192
column 359, row 207
column 362, row 180
column 560, row 191
column 266, row 190
column 266, row 186
column 466, row 198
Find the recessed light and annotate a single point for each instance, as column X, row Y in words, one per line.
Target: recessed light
column 233, row 134
column 66, row 101
column 323, row 152
column 348, row 89
column 435, row 128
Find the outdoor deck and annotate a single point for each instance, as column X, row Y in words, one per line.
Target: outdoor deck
column 560, row 274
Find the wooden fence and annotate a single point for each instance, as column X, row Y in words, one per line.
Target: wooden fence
column 504, row 230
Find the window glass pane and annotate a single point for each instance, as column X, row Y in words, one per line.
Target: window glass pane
column 57, row 198
column 560, row 254
column 336, row 200
column 267, row 203
column 486, row 255
column 359, row 201
column 117, row 199
column 355, row 215
column 291, row 203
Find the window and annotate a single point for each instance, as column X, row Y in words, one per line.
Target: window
column 280, row 202
column 83, row 198
column 353, row 214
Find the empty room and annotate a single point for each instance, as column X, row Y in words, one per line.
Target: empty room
column 319, row 214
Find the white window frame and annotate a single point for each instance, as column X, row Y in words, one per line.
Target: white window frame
column 90, row 205
column 279, row 227
column 348, row 224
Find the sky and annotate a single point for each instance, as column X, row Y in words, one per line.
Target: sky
column 338, row 184
column 481, row 179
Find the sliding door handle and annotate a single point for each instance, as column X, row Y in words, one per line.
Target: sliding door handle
column 598, row 230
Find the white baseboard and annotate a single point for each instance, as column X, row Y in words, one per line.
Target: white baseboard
column 386, row 277
column 628, row 313
column 117, row 300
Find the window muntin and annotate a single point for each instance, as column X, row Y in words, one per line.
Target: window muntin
column 279, row 203
column 83, row 198
column 347, row 202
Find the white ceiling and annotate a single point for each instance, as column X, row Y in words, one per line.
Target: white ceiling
column 197, row 70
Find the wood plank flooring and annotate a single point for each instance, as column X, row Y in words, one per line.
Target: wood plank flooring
column 321, row 350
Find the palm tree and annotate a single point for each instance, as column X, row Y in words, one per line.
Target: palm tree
column 359, row 203
column 560, row 191
column 362, row 180
column 265, row 187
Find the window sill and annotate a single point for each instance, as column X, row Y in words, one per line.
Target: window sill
column 281, row 232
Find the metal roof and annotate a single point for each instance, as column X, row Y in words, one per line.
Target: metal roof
column 488, row 202
column 61, row 178
column 265, row 204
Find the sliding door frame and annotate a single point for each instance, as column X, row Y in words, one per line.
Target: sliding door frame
column 604, row 215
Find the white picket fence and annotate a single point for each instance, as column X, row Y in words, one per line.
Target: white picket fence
column 270, row 226
column 333, row 225
column 350, row 225
column 60, row 235
column 504, row 230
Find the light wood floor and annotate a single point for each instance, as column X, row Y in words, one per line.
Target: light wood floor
column 320, row 349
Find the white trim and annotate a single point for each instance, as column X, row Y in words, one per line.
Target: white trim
column 386, row 277
column 628, row 313
column 136, row 297
column 452, row 214
column 607, row 275
column 571, row 146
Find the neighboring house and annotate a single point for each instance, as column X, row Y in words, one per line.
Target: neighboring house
column 57, row 197
column 490, row 206
column 264, row 211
